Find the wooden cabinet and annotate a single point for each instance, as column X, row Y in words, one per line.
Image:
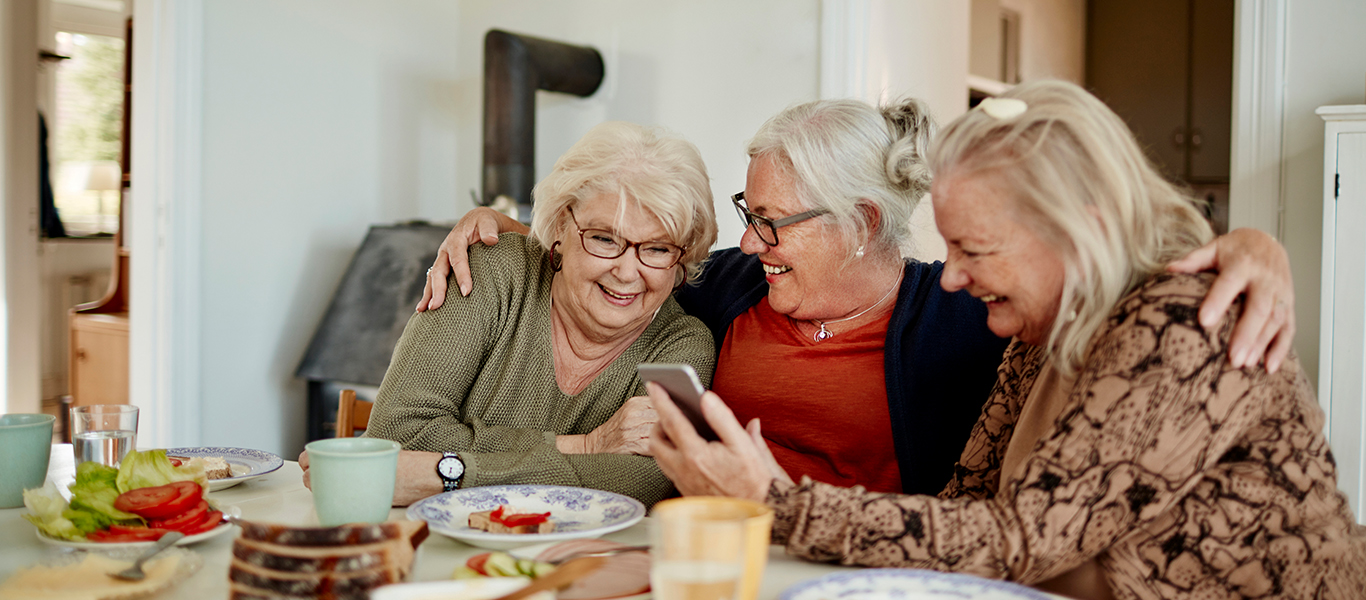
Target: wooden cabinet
column 1166, row 66
column 99, row 358
column 1342, row 325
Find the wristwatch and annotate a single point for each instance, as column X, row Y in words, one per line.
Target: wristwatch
column 450, row 468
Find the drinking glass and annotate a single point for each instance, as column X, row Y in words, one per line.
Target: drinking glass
column 709, row 548
column 103, row 433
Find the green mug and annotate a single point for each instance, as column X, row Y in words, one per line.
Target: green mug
column 352, row 479
column 25, row 445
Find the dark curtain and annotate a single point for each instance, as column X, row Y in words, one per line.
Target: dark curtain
column 50, row 220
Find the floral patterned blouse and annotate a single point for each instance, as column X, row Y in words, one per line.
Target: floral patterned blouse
column 1178, row 475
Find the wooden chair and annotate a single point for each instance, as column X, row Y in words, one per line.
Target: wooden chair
column 352, row 415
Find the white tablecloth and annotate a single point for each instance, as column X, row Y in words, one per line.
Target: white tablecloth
column 281, row 497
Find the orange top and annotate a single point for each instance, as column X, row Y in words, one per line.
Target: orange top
column 822, row 406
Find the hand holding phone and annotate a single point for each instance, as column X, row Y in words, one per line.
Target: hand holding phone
column 684, row 388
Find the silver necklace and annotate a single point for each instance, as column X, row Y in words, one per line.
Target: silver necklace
column 825, row 334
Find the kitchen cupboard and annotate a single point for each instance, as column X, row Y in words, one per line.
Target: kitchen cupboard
column 1342, row 324
column 1166, row 67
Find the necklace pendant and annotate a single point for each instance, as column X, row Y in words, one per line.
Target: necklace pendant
column 823, row 334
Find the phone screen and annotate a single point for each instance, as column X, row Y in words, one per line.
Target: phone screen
column 684, row 388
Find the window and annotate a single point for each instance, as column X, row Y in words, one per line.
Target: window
column 86, row 130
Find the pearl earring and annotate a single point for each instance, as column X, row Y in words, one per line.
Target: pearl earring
column 859, row 254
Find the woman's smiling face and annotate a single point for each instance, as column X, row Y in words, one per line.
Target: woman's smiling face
column 606, row 297
column 805, row 271
column 998, row 257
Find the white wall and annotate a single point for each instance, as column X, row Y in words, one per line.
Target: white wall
column 1052, row 38
column 321, row 117
column 1325, row 64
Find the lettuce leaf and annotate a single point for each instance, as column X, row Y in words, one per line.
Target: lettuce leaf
column 151, row 468
column 95, row 491
column 45, row 506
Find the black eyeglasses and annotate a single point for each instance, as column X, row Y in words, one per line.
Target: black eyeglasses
column 605, row 244
column 768, row 228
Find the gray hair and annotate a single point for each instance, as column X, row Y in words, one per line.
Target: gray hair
column 661, row 172
column 1081, row 180
column 843, row 153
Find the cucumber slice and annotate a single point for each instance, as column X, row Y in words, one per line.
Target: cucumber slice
column 501, row 564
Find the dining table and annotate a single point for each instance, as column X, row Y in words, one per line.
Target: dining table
column 280, row 497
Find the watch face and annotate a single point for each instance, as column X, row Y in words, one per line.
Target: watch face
column 450, row 467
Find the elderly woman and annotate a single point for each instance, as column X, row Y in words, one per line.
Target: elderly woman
column 1120, row 453
column 528, row 379
column 819, row 297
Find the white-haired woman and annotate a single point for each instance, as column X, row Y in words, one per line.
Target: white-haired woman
column 528, row 379
column 819, row 297
column 1120, row 453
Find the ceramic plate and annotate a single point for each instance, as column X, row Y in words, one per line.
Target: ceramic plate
column 185, row 541
column 84, row 575
column 577, row 512
column 245, row 464
column 907, row 584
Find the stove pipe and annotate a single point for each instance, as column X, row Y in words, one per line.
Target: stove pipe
column 515, row 66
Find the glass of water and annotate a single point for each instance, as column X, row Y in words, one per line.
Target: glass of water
column 708, row 548
column 103, row 433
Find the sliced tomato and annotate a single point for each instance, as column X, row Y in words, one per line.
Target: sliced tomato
column 521, row 520
column 120, row 533
column 185, row 519
column 135, row 501
column 476, row 562
column 211, row 520
column 175, row 461
column 162, row 501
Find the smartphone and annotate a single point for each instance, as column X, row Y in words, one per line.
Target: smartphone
column 684, row 388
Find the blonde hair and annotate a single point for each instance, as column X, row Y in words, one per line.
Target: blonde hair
column 661, row 172
column 1081, row 180
column 842, row 153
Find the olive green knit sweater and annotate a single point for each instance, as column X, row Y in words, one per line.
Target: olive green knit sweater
column 477, row 377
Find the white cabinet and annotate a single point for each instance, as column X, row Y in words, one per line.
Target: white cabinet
column 1342, row 335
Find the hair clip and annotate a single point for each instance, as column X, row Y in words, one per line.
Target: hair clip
column 1003, row 108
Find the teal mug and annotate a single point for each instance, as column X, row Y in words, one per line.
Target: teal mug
column 25, row 445
column 352, row 479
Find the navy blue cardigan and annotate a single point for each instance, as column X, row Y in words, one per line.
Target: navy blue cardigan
column 940, row 358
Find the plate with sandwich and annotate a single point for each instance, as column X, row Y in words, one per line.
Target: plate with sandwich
column 227, row 467
column 507, row 516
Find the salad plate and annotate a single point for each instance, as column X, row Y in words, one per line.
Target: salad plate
column 246, row 464
column 577, row 513
column 908, row 584
column 185, row 541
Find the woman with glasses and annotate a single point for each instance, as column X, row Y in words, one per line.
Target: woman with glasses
column 532, row 378
column 861, row 368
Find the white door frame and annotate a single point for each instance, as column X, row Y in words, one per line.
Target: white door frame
column 164, row 319
column 1256, row 197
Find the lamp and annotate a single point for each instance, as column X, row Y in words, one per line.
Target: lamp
column 99, row 176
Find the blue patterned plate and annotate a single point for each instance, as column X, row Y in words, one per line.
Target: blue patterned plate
column 908, row 584
column 245, row 464
column 577, row 513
